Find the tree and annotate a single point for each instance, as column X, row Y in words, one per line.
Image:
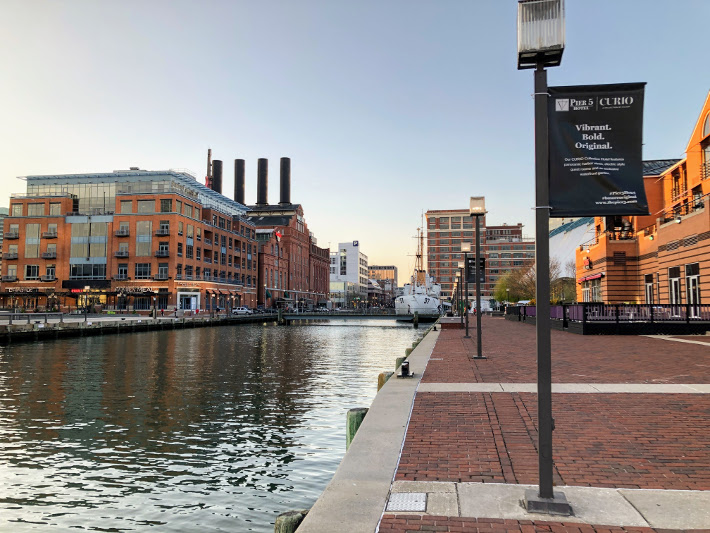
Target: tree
column 519, row 284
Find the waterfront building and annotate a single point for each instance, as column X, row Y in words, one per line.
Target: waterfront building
column 295, row 273
column 664, row 257
column 504, row 248
column 132, row 240
column 386, row 277
column 349, row 264
column 4, row 211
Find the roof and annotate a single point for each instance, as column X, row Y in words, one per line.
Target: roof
column 656, row 167
column 281, row 220
column 564, row 228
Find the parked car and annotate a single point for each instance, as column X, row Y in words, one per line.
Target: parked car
column 242, row 311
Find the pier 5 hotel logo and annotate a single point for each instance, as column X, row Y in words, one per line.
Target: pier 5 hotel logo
column 595, row 150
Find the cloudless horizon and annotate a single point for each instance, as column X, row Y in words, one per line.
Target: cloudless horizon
column 386, row 109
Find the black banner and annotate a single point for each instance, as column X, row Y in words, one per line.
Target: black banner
column 471, row 269
column 595, row 150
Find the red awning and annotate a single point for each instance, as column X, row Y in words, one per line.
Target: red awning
column 590, row 277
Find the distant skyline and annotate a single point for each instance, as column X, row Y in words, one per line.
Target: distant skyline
column 386, row 109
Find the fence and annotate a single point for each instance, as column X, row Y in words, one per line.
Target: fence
column 598, row 318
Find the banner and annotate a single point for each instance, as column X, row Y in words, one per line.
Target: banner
column 595, row 150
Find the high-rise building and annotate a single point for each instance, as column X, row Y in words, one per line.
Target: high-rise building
column 503, row 248
column 349, row 265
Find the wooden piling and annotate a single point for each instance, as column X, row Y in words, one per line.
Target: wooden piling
column 354, row 419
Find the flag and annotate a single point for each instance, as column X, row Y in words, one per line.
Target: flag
column 268, row 294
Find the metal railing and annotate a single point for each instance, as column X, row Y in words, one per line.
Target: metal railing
column 162, row 253
column 121, row 253
column 12, row 235
column 122, row 233
column 705, row 170
column 9, row 255
column 162, row 232
column 9, row 278
column 593, row 312
column 49, row 255
column 48, row 277
column 49, row 235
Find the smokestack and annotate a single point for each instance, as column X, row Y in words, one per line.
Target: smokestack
column 208, row 177
column 217, row 176
column 285, row 181
column 239, row 181
column 262, row 182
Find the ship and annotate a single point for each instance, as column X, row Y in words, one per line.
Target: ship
column 422, row 295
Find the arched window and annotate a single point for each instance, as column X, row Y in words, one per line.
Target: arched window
column 706, row 126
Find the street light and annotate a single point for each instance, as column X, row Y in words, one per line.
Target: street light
column 465, row 248
column 459, row 295
column 477, row 209
column 541, row 41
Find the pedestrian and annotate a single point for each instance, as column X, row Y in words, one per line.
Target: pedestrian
column 176, row 312
column 162, row 312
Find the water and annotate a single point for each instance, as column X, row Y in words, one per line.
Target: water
column 208, row 429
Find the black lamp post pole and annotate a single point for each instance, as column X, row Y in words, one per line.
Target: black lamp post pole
column 479, row 345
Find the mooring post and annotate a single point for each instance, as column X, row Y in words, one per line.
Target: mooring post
column 416, row 319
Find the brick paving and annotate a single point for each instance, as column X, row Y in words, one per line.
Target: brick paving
column 405, row 523
column 510, row 348
column 614, row 440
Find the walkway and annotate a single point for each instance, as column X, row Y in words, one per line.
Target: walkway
column 631, row 445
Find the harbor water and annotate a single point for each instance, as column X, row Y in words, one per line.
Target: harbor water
column 207, row 429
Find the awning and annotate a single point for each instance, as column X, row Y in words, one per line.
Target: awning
column 590, row 277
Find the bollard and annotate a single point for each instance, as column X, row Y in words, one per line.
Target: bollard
column 416, row 319
column 398, row 362
column 382, row 379
column 354, row 419
column 288, row 522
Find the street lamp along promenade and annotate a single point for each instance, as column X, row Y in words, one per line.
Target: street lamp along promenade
column 541, row 41
column 477, row 209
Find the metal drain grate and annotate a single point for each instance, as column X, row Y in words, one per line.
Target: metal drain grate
column 407, row 501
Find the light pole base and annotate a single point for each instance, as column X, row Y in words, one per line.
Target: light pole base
column 557, row 505
column 479, row 358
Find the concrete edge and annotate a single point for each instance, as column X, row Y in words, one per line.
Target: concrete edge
column 357, row 494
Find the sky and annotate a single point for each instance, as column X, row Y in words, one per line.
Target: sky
column 387, row 108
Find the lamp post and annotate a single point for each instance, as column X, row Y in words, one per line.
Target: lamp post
column 465, row 248
column 459, row 293
column 155, row 312
column 541, row 40
column 477, row 209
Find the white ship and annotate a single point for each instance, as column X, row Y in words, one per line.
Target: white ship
column 422, row 295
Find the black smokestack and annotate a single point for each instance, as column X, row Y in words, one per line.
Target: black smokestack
column 217, row 176
column 239, row 181
column 285, row 181
column 262, row 182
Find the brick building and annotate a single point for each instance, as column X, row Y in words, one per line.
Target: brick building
column 131, row 240
column 503, row 247
column 664, row 257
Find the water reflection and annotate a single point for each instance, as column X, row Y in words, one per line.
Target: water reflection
column 213, row 429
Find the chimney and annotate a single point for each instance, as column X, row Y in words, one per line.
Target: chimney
column 262, row 182
column 239, row 181
column 208, row 177
column 217, row 176
column 285, row 181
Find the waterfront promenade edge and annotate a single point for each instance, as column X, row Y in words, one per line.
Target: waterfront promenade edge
column 631, row 445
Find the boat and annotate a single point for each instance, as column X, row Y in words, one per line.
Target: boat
column 422, row 295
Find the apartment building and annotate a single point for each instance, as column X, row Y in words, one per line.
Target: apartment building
column 131, row 240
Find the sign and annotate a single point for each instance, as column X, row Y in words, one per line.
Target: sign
column 471, row 269
column 595, row 135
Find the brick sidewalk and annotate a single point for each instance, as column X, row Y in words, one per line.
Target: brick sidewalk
column 510, row 348
column 620, row 440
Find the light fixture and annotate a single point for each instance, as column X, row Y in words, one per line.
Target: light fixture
column 465, row 247
column 541, row 33
column 677, row 219
column 651, row 237
column 586, row 251
column 477, row 205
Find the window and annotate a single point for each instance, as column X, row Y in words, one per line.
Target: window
column 143, row 238
column 52, row 249
column 35, row 210
column 31, row 272
column 32, row 240
column 146, row 206
column 12, row 270
column 122, row 271
column 126, row 206
column 142, row 270
column 706, row 126
column 163, row 270
column 188, row 210
column 51, row 271
column 179, row 249
column 166, row 205
column 179, row 228
column 87, row 271
column 55, row 209
column 51, row 229
column 198, row 254
column 123, row 228
column 178, row 206
column 16, row 210
column 188, row 251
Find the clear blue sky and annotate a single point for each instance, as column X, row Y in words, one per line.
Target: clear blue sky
column 387, row 108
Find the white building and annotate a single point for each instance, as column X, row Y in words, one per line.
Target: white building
column 349, row 264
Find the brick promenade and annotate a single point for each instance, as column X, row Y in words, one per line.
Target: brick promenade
column 625, row 440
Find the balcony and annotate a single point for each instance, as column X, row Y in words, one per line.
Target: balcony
column 162, row 232
column 48, row 277
column 12, row 235
column 208, row 242
column 120, row 277
column 162, row 253
column 121, row 253
column 161, row 277
column 49, row 235
column 122, row 232
column 9, row 278
column 9, row 255
column 49, row 255
column 704, row 171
